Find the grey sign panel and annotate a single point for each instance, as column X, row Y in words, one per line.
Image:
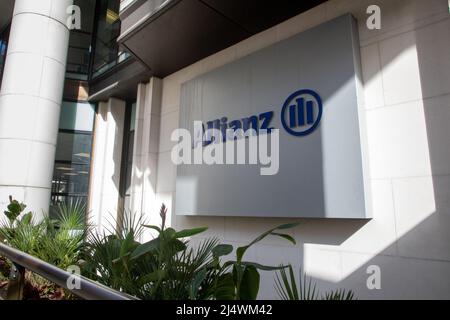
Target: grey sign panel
column 321, row 172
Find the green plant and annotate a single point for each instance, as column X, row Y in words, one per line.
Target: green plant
column 208, row 279
column 5, row 267
column 239, row 279
column 181, row 275
column 103, row 249
column 159, row 269
column 57, row 241
column 287, row 289
column 340, row 294
column 63, row 239
column 15, row 209
column 167, row 267
column 21, row 233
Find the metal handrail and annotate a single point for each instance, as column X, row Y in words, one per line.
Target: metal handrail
column 89, row 290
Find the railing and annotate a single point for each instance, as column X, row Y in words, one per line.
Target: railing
column 21, row 261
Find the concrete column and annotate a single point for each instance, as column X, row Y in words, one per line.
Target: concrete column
column 30, row 101
column 106, row 163
column 146, row 147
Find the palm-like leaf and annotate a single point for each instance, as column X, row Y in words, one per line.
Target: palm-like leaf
column 287, row 289
column 340, row 294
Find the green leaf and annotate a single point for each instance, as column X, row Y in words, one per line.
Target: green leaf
column 26, row 219
column 10, row 215
column 14, row 209
column 168, row 234
column 238, row 272
column 285, row 236
column 286, row 287
column 178, row 245
column 339, row 295
column 120, row 259
column 263, row 267
column 222, row 250
column 293, row 283
column 153, row 276
column 189, row 232
column 152, row 227
column 157, row 275
column 307, row 288
column 195, row 284
column 225, row 289
column 127, row 245
column 241, row 251
column 228, row 264
column 287, row 226
column 249, row 287
column 145, row 248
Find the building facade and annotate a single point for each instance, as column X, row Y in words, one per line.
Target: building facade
column 88, row 114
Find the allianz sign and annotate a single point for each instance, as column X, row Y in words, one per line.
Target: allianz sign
column 300, row 116
column 297, row 102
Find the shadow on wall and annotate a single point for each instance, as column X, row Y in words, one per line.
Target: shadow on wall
column 411, row 135
column 407, row 77
column 106, row 164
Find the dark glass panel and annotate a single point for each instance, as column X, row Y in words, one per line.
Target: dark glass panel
column 70, row 179
column 107, row 51
column 4, row 36
column 74, row 147
column 73, row 155
column 79, row 54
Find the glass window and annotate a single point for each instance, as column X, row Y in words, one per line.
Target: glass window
column 107, row 51
column 3, row 48
column 77, row 116
column 79, row 54
column 73, row 153
column 72, row 166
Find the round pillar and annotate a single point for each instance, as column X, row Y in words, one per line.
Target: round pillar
column 30, row 101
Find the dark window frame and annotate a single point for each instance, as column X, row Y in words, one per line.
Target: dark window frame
column 92, row 34
column 94, row 73
column 4, row 36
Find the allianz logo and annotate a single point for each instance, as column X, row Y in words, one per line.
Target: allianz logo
column 300, row 116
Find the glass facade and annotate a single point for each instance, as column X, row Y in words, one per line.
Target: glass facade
column 93, row 49
column 3, row 48
column 107, row 52
column 73, row 153
column 80, row 43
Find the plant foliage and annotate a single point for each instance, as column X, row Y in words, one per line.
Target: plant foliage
column 56, row 241
column 168, row 268
column 287, row 288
